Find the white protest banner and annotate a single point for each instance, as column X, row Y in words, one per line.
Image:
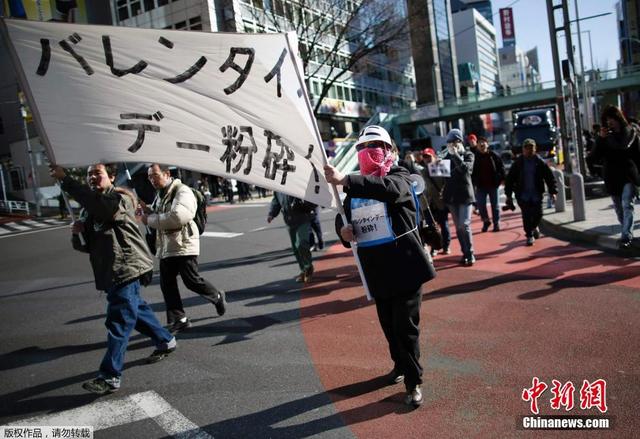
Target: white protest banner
column 231, row 105
column 440, row 168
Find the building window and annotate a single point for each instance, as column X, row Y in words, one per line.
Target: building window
column 123, row 13
column 149, row 5
column 135, row 9
column 181, row 25
column 162, row 2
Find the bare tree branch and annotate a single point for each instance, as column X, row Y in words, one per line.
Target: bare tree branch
column 337, row 37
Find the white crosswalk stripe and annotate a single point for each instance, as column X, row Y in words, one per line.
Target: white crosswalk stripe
column 30, row 226
column 110, row 413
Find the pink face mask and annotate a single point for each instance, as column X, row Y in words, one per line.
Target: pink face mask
column 375, row 161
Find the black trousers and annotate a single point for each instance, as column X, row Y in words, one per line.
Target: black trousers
column 187, row 268
column 400, row 321
column 531, row 215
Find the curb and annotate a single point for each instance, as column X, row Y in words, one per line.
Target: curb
column 607, row 243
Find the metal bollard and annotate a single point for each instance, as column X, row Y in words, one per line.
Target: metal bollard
column 578, row 199
column 561, row 199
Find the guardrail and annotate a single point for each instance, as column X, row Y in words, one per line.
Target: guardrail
column 14, row 206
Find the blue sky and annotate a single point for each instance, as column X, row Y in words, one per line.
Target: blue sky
column 532, row 29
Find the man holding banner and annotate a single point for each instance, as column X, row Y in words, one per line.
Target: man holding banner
column 121, row 261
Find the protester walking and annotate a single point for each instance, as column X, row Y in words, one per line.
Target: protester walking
column 298, row 215
column 527, row 178
column 120, row 261
column 618, row 147
column 434, row 186
column 316, row 240
column 488, row 173
column 178, row 245
column 381, row 210
column 458, row 193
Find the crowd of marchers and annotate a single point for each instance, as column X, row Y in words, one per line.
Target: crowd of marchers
column 384, row 217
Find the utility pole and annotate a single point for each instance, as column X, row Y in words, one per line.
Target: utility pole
column 34, row 177
column 575, row 175
column 585, row 95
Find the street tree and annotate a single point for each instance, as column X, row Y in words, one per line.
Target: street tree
column 338, row 38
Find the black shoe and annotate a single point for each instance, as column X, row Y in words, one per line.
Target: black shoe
column 414, row 397
column 485, row 226
column 221, row 304
column 530, row 241
column 496, row 227
column 394, row 377
column 463, row 261
column 320, row 245
column 159, row 355
column 100, row 386
column 179, row 325
column 625, row 245
column 536, row 234
column 468, row 262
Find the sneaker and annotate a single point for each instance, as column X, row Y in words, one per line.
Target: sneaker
column 496, row 227
column 468, row 262
column 446, row 251
column 463, row 261
column 434, row 253
column 530, row 241
column 300, row 277
column 313, row 248
column 320, row 245
column 308, row 274
column 221, row 304
column 414, row 397
column 100, row 386
column 485, row 226
column 160, row 354
column 179, row 325
column 536, row 234
column 625, row 245
column 394, row 377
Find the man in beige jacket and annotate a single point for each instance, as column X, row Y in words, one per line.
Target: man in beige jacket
column 178, row 245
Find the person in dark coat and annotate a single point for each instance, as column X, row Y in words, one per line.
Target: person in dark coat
column 381, row 210
column 298, row 215
column 526, row 178
column 488, row 174
column 618, row 147
column 458, row 193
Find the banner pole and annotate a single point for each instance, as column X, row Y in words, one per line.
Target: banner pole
column 354, row 245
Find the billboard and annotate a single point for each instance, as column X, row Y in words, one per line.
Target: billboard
column 508, row 27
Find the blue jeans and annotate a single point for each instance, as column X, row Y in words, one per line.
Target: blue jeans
column 623, row 205
column 126, row 310
column 481, row 203
column 461, row 214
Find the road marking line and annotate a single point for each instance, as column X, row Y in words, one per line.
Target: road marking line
column 17, row 226
column 3, row 231
column 221, row 234
column 35, row 223
column 33, row 231
column 106, row 414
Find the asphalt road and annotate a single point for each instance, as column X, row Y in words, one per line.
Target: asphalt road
column 286, row 362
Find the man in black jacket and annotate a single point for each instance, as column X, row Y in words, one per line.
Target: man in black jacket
column 458, row 193
column 381, row 210
column 618, row 147
column 120, row 258
column 526, row 178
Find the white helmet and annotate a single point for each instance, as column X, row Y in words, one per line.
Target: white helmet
column 372, row 133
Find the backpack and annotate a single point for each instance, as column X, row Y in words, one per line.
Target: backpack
column 201, row 210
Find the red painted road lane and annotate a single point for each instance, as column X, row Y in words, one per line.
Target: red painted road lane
column 554, row 310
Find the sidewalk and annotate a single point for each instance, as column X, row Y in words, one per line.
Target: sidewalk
column 601, row 228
